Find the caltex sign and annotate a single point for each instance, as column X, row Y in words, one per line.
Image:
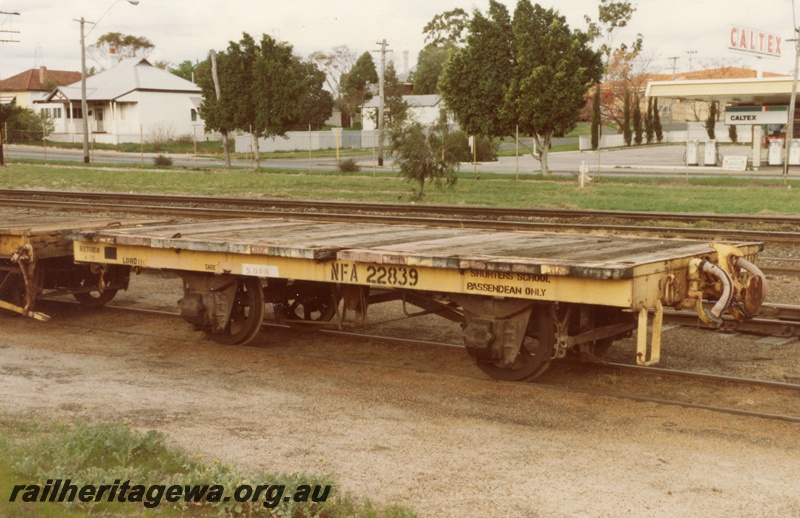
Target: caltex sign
column 756, row 114
column 754, row 41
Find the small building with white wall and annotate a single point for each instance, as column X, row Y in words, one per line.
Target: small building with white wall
column 132, row 102
column 422, row 108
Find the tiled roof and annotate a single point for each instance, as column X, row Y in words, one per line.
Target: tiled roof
column 31, row 80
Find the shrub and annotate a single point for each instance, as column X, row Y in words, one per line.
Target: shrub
column 349, row 166
column 457, row 144
column 162, row 160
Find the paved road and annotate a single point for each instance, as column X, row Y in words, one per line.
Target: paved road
column 641, row 160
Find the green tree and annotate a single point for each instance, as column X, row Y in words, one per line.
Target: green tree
column 732, row 133
column 443, row 34
column 185, row 69
column 115, row 45
column 711, row 120
column 423, row 156
column 657, row 121
column 597, row 121
column 16, row 121
column 626, row 119
column 264, row 88
column 611, row 17
column 315, row 104
column 447, row 28
column 637, row 120
column 358, row 85
column 532, row 72
column 649, row 128
column 430, row 63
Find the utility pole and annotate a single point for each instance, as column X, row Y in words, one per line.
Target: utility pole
column 691, row 53
column 9, row 13
column 674, row 61
column 84, row 104
column 790, row 122
column 218, row 91
column 383, row 43
column 674, row 65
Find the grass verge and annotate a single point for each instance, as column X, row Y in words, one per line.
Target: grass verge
column 31, row 454
column 717, row 195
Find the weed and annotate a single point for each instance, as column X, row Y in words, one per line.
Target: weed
column 161, row 160
column 349, row 166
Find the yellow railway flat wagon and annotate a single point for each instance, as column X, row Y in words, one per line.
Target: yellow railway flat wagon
column 36, row 262
column 523, row 298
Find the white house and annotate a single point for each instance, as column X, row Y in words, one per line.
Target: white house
column 131, row 102
column 423, row 109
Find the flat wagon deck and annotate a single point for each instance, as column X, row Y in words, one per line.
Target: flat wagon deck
column 523, row 297
column 36, row 262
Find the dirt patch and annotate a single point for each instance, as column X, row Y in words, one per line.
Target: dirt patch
column 417, row 425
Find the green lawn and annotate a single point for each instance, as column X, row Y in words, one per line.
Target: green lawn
column 33, row 453
column 715, row 195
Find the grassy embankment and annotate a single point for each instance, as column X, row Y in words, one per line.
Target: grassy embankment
column 715, row 195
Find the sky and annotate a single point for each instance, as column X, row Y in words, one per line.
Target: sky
column 697, row 32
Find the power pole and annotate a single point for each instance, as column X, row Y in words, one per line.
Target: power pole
column 218, row 91
column 383, row 43
column 9, row 13
column 691, row 53
column 792, row 98
column 84, row 104
column 674, row 61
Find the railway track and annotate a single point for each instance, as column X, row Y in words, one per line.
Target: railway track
column 328, row 206
column 721, row 393
column 551, row 220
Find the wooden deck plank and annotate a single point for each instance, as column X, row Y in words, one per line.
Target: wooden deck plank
column 50, row 235
column 597, row 256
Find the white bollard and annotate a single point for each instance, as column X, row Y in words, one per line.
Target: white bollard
column 584, row 177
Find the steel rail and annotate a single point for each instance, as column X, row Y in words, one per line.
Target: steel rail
column 401, row 208
column 531, row 386
column 206, row 212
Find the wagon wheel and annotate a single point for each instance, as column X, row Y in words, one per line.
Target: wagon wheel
column 304, row 302
column 247, row 314
column 535, row 353
column 93, row 299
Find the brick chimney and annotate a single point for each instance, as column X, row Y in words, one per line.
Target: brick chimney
column 42, row 75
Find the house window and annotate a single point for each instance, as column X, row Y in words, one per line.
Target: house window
column 52, row 113
column 194, row 115
column 77, row 113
